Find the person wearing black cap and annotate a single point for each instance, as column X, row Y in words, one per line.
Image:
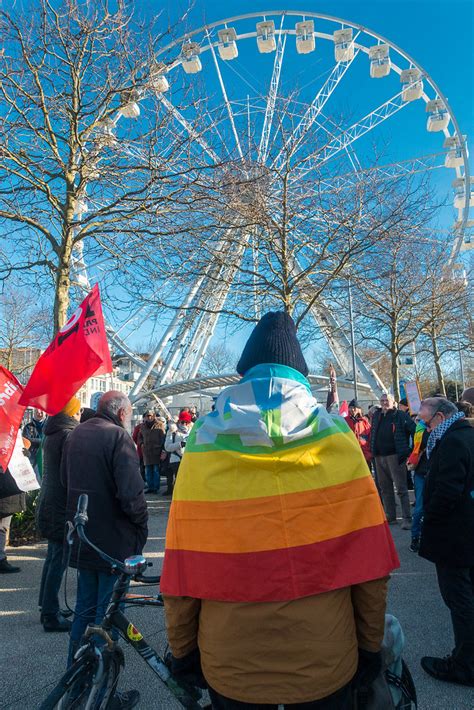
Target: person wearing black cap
column 403, row 405
column 264, row 447
column 360, row 425
column 273, row 340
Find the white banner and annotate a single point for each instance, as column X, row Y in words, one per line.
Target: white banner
column 21, row 468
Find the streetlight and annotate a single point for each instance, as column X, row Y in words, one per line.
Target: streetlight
column 351, row 323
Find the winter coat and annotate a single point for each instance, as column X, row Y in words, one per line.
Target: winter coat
column 403, row 429
column 51, row 507
column 33, row 432
column 152, row 441
column 361, row 428
column 290, row 652
column 257, row 573
column 100, row 459
column 173, row 443
column 448, row 528
column 136, row 436
column 12, row 500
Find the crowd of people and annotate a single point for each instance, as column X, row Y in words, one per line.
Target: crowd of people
column 274, row 508
column 160, row 445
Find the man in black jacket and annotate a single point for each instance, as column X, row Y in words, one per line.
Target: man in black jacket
column 390, row 444
column 51, row 513
column 448, row 531
column 100, row 459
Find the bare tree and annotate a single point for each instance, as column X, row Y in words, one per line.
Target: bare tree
column 448, row 326
column 23, row 330
column 75, row 172
column 219, row 359
column 402, row 294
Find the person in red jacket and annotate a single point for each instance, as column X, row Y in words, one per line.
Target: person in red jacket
column 360, row 425
column 138, row 443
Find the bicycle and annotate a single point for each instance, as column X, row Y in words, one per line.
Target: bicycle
column 91, row 681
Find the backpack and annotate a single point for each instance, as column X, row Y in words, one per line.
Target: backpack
column 394, row 688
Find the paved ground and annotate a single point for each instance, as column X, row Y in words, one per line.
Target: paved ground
column 31, row 660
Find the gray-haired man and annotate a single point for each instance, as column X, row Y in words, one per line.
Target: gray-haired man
column 448, row 530
column 100, row 459
column 390, row 444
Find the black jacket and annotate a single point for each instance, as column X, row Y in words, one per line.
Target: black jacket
column 51, row 507
column 100, row 459
column 33, row 431
column 404, row 428
column 423, row 464
column 448, row 527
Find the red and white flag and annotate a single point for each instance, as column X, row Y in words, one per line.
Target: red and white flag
column 79, row 351
column 344, row 409
column 11, row 414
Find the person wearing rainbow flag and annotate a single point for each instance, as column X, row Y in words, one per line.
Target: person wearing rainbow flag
column 418, row 463
column 277, row 548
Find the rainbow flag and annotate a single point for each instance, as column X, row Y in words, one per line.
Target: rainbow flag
column 414, row 458
column 273, row 499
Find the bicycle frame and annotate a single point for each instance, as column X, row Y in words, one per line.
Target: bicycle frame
column 115, row 619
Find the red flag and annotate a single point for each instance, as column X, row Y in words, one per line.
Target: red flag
column 333, row 397
column 344, row 409
column 79, row 350
column 11, row 414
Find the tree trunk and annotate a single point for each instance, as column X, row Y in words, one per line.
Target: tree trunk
column 394, row 353
column 437, row 363
column 395, row 374
column 63, row 282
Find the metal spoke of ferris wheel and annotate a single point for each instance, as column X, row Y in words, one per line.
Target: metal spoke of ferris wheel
column 356, row 131
column 313, row 111
column 193, row 133
column 390, row 171
column 272, row 96
column 225, row 97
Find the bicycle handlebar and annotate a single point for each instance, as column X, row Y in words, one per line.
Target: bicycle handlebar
column 147, row 579
column 80, row 520
column 81, row 513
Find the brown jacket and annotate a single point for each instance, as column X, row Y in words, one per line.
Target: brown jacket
column 152, row 440
column 280, row 652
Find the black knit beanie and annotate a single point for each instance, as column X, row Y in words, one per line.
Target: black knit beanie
column 273, row 340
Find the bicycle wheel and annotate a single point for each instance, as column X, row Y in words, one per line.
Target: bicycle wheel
column 88, row 684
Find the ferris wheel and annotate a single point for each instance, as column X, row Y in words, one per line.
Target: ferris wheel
column 246, row 67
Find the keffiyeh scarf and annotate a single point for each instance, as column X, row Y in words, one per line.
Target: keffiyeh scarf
column 440, row 431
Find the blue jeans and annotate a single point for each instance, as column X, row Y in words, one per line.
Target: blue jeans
column 419, row 485
column 152, row 476
column 51, row 578
column 94, row 590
